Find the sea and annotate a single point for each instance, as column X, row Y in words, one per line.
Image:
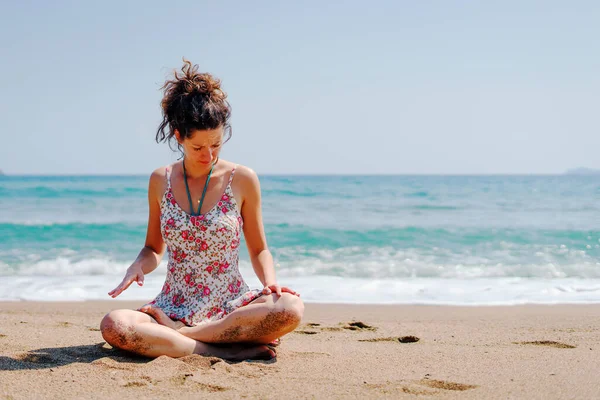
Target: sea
column 447, row 240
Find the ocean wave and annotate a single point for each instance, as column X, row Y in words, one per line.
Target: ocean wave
column 78, row 230
column 546, row 262
column 285, row 235
column 49, row 192
column 65, row 266
column 309, row 193
column 420, row 194
column 432, row 207
column 474, row 292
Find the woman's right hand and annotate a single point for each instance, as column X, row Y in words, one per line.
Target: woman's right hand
column 133, row 274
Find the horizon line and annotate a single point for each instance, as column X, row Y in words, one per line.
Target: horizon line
column 596, row 173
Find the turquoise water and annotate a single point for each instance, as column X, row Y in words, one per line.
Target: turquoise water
column 403, row 239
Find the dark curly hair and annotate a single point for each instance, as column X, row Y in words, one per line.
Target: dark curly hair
column 193, row 101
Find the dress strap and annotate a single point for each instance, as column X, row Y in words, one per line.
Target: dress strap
column 168, row 169
column 231, row 176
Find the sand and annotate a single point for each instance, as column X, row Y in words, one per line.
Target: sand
column 55, row 350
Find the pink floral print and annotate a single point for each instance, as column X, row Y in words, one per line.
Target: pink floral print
column 203, row 280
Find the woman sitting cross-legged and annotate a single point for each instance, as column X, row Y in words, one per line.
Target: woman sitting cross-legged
column 199, row 207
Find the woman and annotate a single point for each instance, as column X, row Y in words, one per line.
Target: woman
column 198, row 207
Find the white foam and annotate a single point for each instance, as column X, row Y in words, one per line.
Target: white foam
column 387, row 262
column 65, row 266
column 327, row 289
column 407, row 278
column 381, row 263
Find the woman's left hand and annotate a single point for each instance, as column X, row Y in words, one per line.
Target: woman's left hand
column 275, row 288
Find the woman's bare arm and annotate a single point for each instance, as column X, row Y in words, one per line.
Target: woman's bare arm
column 154, row 247
column 254, row 233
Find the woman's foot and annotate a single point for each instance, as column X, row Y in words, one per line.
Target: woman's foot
column 241, row 353
column 160, row 317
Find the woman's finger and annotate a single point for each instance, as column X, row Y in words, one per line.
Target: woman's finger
column 124, row 285
column 273, row 289
column 288, row 290
column 115, row 290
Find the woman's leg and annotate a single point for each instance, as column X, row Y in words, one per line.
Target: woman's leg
column 262, row 321
column 139, row 333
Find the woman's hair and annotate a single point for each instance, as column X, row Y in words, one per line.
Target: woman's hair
column 193, row 101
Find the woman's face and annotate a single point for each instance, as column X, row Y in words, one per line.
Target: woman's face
column 203, row 146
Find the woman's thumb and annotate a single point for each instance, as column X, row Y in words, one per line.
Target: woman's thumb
column 140, row 279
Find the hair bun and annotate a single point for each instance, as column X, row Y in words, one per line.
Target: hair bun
column 202, row 84
column 193, row 101
column 194, row 82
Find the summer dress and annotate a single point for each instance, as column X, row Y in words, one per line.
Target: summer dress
column 203, row 280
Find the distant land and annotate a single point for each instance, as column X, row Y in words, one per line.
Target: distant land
column 583, row 171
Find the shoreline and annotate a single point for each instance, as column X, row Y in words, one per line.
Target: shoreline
column 132, row 303
column 339, row 351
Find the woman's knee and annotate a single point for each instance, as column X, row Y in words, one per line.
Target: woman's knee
column 116, row 328
column 291, row 306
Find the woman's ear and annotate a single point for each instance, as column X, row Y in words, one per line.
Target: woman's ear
column 177, row 136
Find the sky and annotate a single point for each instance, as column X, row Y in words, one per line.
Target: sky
column 336, row 87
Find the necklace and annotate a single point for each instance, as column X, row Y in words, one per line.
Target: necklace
column 187, row 189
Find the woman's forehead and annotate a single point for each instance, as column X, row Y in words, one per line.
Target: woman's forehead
column 202, row 137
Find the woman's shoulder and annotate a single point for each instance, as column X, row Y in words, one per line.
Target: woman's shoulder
column 245, row 181
column 245, row 174
column 158, row 179
column 160, row 173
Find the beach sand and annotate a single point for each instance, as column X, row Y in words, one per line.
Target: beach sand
column 55, row 350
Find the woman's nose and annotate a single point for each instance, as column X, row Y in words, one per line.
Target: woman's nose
column 206, row 154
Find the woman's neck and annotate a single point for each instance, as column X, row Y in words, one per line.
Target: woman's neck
column 194, row 171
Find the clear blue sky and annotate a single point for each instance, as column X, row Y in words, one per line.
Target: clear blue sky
column 316, row 86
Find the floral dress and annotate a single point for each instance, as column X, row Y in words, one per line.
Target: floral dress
column 203, row 280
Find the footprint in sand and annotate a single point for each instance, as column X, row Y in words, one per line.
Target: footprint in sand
column 417, row 392
column 549, row 343
column 135, row 384
column 351, row 326
column 301, row 332
column 358, row 326
column 402, row 339
column 392, row 387
column 445, row 385
column 309, row 325
column 408, row 339
column 309, row 354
